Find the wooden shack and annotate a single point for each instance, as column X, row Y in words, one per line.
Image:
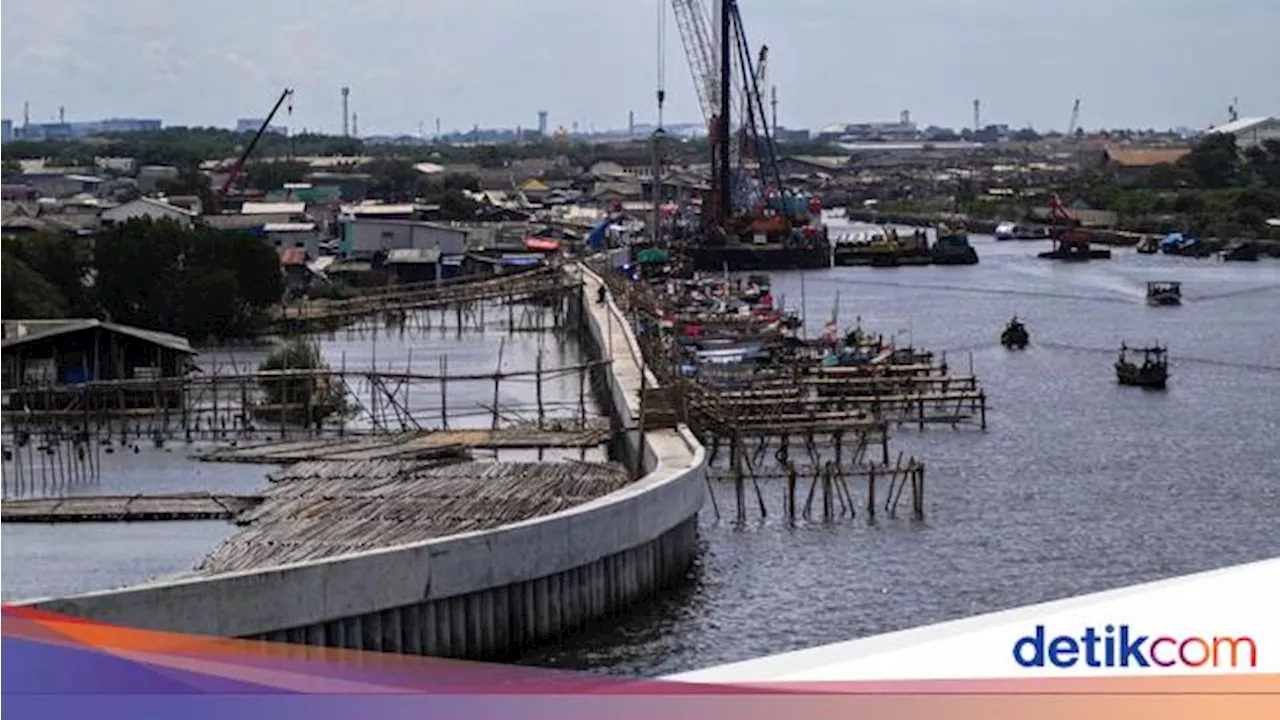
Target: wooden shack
column 55, row 364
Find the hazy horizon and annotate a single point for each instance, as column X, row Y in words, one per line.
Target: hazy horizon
column 496, row 63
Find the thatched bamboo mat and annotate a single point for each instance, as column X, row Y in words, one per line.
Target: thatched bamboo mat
column 321, row 509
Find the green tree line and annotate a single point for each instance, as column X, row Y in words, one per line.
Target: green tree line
column 198, row 282
column 1216, row 189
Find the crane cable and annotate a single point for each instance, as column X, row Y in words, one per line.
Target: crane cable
column 662, row 57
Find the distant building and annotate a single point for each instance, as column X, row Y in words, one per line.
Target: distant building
column 125, row 125
column 46, row 131
column 366, row 237
column 1129, row 165
column 151, row 208
column 786, row 136
column 150, row 176
column 1250, row 132
column 244, row 125
column 6, row 130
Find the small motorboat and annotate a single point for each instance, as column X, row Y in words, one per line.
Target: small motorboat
column 1240, row 252
column 1015, row 336
column 1006, row 231
column 1148, row 246
column 1152, row 373
column 1164, row 293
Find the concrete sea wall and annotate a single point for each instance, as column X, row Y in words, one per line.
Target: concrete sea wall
column 483, row 594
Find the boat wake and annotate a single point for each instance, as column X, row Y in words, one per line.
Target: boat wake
column 970, row 289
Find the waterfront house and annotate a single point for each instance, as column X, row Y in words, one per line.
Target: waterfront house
column 44, row 360
column 415, row 265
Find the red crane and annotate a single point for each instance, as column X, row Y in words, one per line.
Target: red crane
column 238, row 167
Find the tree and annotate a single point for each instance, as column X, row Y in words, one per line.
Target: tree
column 394, row 180
column 274, row 175
column 64, row 262
column 201, row 283
column 190, row 181
column 292, row 397
column 27, row 295
column 454, row 205
column 1215, row 161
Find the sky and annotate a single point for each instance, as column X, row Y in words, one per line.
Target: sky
column 496, row 63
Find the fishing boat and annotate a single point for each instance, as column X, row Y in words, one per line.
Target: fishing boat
column 1015, row 336
column 1240, row 252
column 953, row 248
column 1164, row 293
column 1015, row 231
column 1152, row 373
column 1184, row 246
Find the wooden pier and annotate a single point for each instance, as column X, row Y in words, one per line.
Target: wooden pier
column 397, row 301
column 128, row 508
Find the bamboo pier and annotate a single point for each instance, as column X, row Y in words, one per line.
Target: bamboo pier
column 128, row 508
column 546, row 284
column 822, row 429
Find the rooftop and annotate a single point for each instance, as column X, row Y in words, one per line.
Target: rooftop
column 1145, row 157
column 1240, row 125
column 277, row 208
column 19, row 332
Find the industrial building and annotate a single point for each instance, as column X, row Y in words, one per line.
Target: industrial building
column 1251, row 132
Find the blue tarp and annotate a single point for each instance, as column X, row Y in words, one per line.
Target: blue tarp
column 595, row 240
column 1177, row 240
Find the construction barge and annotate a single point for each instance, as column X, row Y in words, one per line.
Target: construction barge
column 889, row 248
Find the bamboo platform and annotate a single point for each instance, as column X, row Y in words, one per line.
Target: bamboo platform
column 128, row 508
column 424, row 445
column 315, row 510
column 315, row 314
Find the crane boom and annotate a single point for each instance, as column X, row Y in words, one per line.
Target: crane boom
column 696, row 37
column 239, row 164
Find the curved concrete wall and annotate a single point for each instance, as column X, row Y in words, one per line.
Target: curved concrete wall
column 479, row 594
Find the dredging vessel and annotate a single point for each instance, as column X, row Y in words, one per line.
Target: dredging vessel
column 749, row 220
column 1070, row 239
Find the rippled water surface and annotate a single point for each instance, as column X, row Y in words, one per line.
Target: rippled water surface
column 1078, row 485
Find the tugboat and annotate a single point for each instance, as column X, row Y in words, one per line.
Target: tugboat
column 1015, row 335
column 1152, row 373
column 953, row 248
column 1164, row 293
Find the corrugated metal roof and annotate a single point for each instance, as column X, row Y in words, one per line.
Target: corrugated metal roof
column 409, row 256
column 400, row 209
column 1240, row 125
column 281, row 208
column 285, row 227
column 31, row 330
